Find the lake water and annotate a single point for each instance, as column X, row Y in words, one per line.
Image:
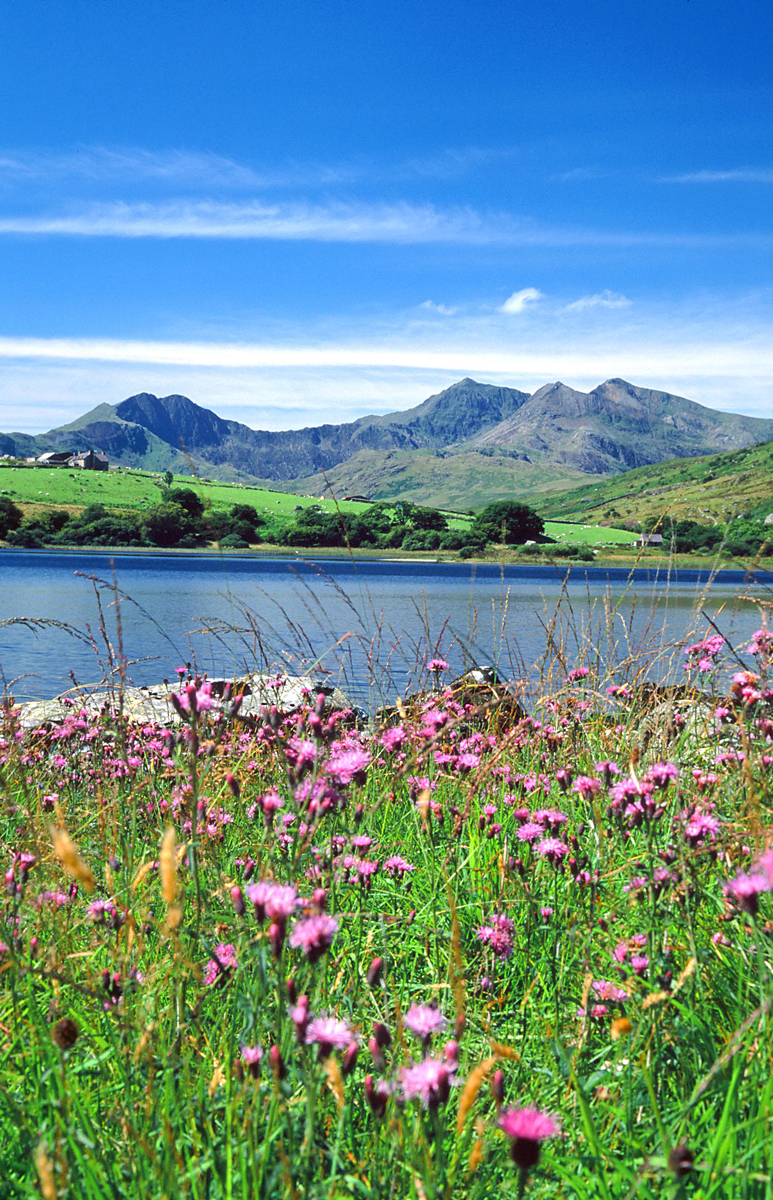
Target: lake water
column 371, row 624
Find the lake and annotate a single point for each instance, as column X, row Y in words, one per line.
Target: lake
column 371, row 623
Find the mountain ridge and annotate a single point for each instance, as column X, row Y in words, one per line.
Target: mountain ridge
column 556, row 434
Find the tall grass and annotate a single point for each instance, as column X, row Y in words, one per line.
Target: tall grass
column 302, row 957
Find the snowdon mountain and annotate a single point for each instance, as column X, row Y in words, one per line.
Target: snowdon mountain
column 470, row 438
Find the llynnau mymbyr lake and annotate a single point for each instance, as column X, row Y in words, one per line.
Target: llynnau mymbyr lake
column 371, row 624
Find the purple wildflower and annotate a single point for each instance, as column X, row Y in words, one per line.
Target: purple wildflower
column 527, row 1128
column 553, row 849
column 328, row 1034
column 428, row 1081
column 314, row 935
column 221, row 965
column 251, row 1057
column 498, row 936
column 423, row 1020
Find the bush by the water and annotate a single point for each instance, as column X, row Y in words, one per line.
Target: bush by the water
column 463, row 953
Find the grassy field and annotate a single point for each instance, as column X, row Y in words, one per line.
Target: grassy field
column 139, row 489
column 708, row 490
column 464, row 953
column 35, row 488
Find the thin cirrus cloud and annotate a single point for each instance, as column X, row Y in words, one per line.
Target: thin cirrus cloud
column 180, row 168
column 336, row 221
column 197, row 169
column 736, row 175
column 520, row 301
column 605, row 299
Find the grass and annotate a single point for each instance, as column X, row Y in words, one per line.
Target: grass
column 131, row 489
column 711, row 489
column 571, row 900
column 577, row 534
column 39, row 488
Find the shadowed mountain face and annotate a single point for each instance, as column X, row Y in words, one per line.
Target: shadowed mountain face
column 613, row 428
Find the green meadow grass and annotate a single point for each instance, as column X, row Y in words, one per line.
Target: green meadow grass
column 129, row 489
column 551, row 892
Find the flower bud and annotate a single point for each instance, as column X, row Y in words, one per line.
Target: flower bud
column 376, row 1096
column 349, row 1060
column 277, row 1062
column 374, row 972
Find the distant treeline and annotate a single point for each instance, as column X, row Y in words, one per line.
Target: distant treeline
column 740, row 538
column 183, row 521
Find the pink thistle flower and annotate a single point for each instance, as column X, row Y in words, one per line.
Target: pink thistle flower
column 437, row 664
column 701, row 826
column 273, row 901
column 498, row 936
column 587, row 786
column 314, row 935
column 328, row 1034
column 527, row 1129
column 397, row 866
column 350, row 766
column 222, row 965
column 578, row 673
column 553, row 849
column 428, row 1081
column 530, row 832
column 550, row 818
column 745, row 890
column 251, row 1057
column 423, row 1020
column 662, row 774
column 392, row 739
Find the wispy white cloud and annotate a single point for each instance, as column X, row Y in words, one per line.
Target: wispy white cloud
column 580, row 174
column 443, row 310
column 186, row 169
column 736, row 355
column 727, row 364
column 735, row 175
column 520, row 301
column 400, row 223
column 605, row 299
column 178, row 168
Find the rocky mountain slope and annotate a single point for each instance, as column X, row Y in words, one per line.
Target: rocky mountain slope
column 544, row 441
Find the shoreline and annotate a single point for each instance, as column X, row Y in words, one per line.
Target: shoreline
column 623, row 563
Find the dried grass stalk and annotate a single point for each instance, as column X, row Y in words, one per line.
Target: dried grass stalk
column 70, row 857
column 167, row 865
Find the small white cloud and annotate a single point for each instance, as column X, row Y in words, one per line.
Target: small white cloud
column 444, row 310
column 605, row 299
column 520, row 300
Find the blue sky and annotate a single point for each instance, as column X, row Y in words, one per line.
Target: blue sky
column 302, row 212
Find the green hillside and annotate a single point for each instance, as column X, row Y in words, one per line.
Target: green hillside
column 135, row 490
column 715, row 488
column 442, row 480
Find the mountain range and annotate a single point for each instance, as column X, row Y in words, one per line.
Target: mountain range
column 467, row 444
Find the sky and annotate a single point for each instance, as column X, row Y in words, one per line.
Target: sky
column 305, row 212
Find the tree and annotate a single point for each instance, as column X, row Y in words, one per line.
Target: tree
column 509, row 522
column 10, row 516
column 188, row 500
column 428, row 518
